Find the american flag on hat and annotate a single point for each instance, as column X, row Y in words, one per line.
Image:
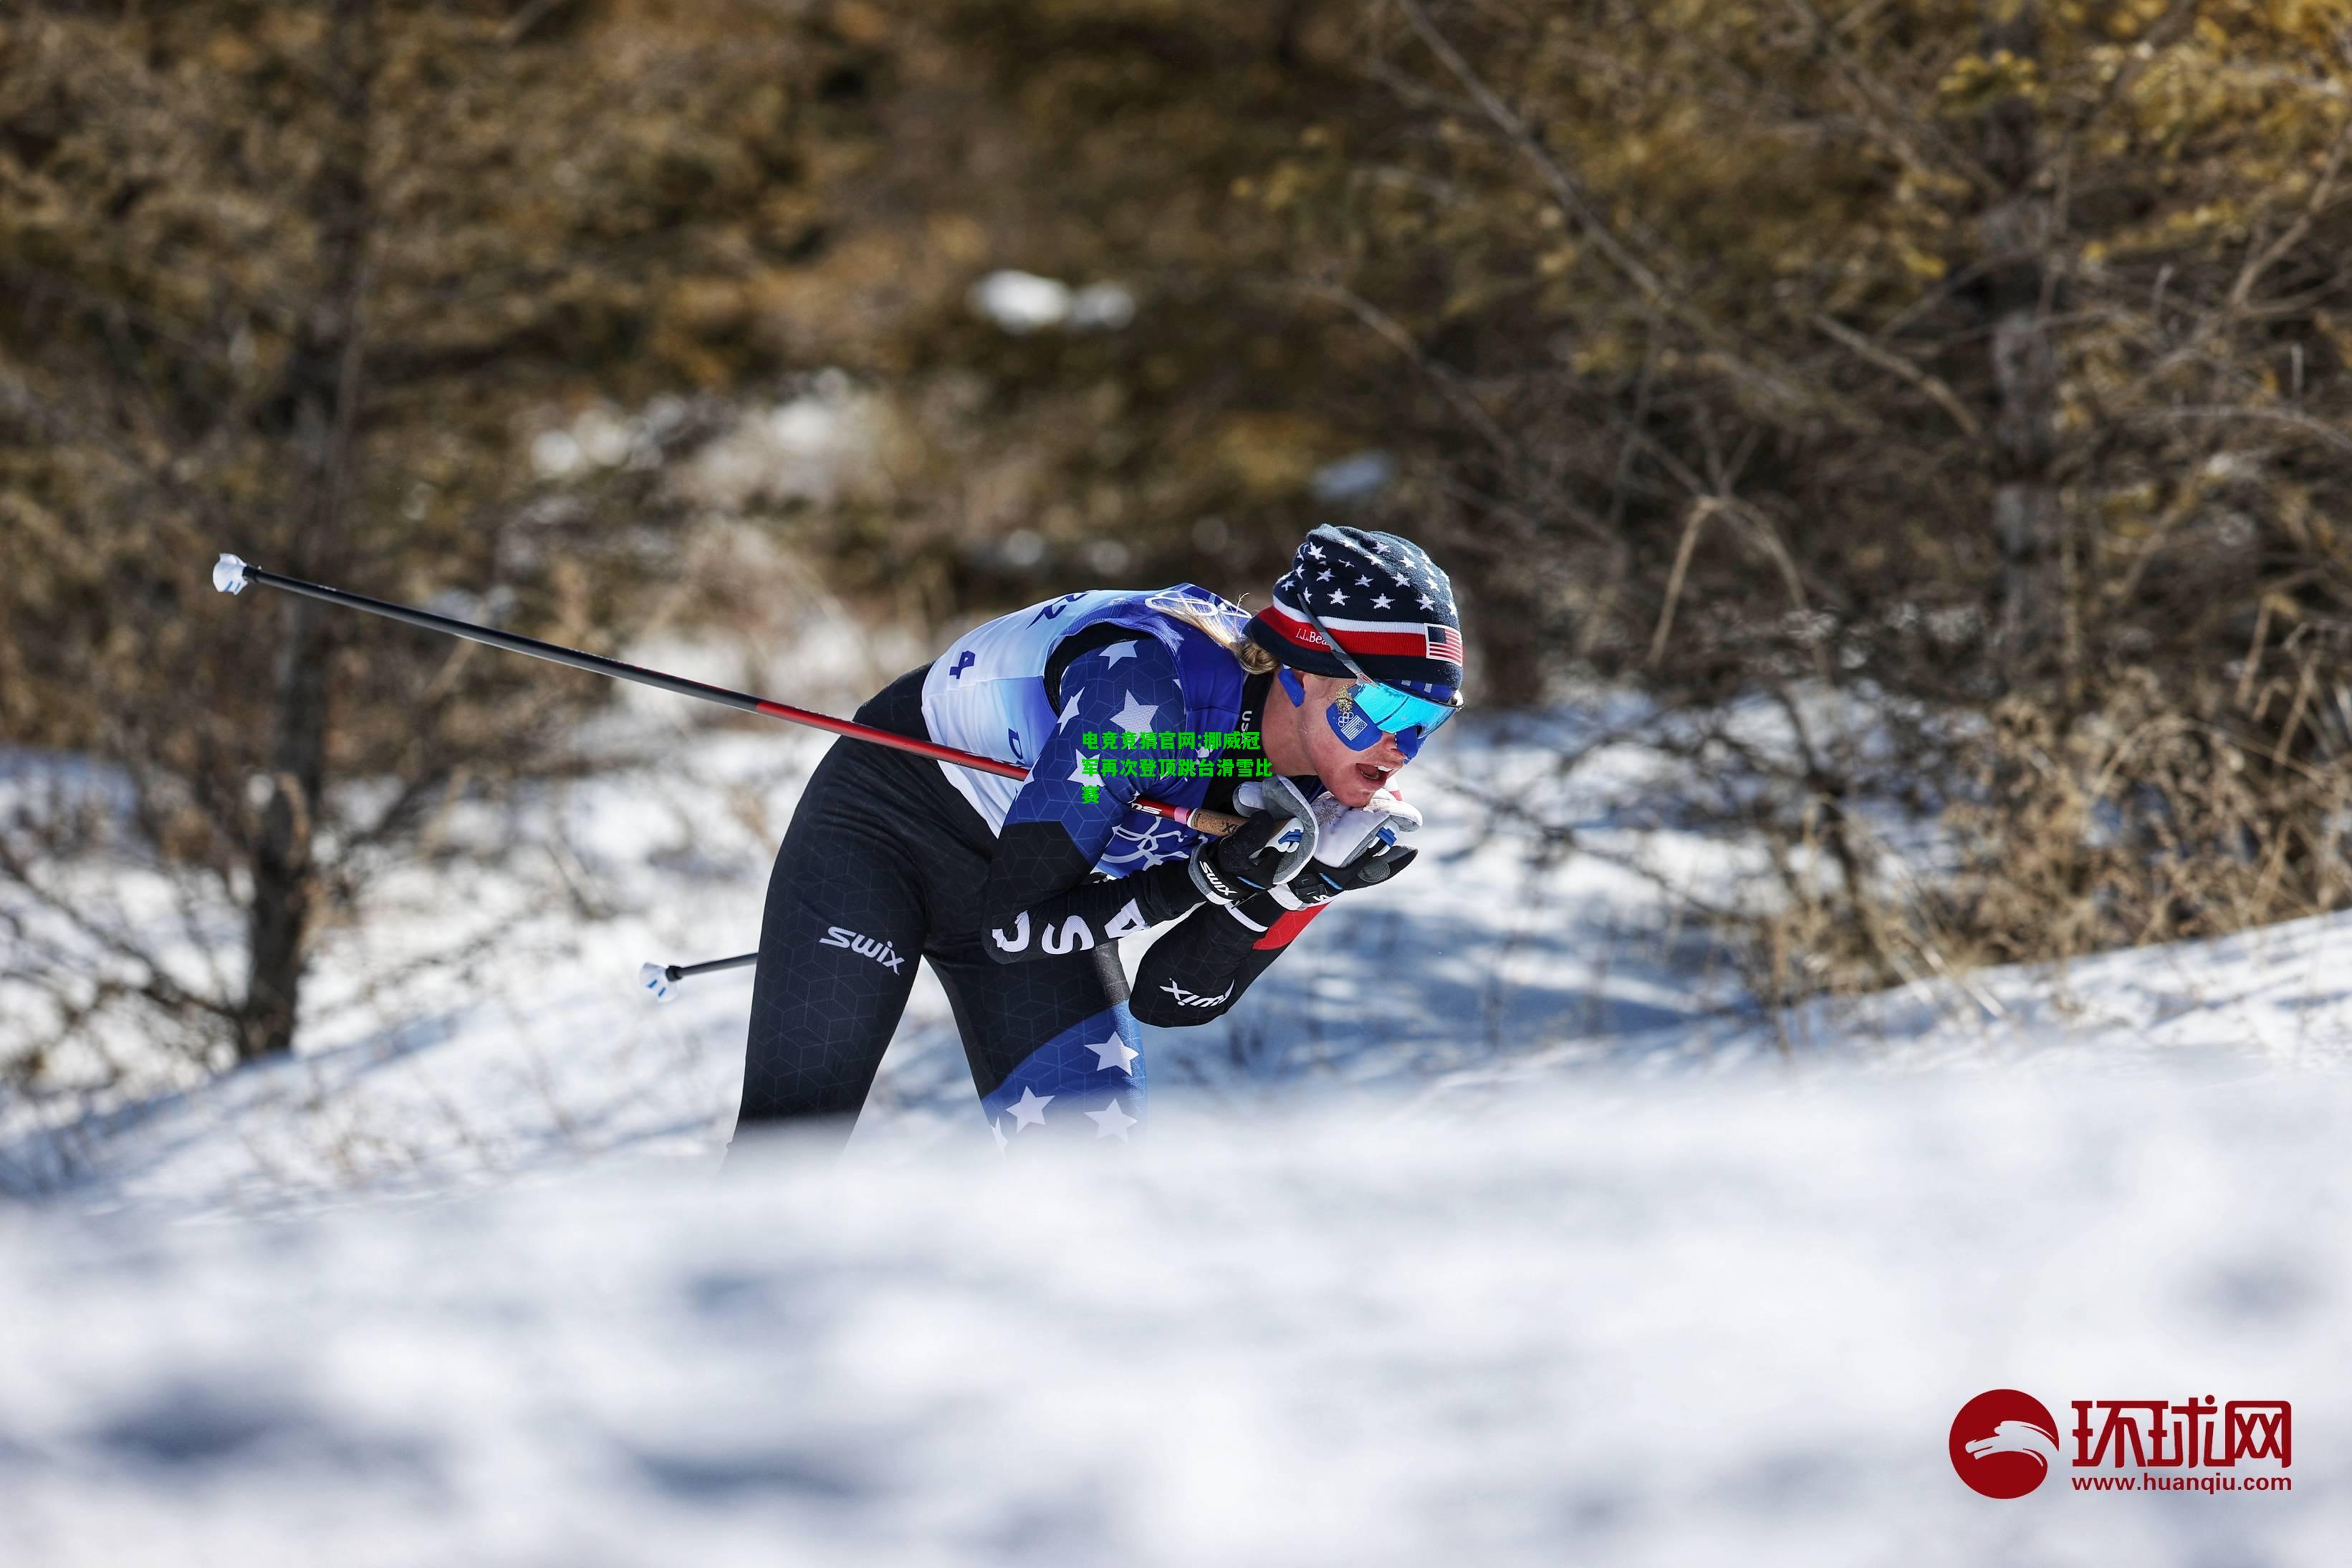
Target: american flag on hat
column 1445, row 643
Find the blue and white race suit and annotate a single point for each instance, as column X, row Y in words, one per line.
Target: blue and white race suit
column 1016, row 892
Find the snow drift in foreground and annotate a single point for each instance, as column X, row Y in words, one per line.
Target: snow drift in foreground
column 1706, row 1320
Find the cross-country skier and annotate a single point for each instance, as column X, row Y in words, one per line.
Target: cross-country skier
column 1017, row 892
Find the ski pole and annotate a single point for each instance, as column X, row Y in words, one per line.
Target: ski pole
column 231, row 575
column 657, row 979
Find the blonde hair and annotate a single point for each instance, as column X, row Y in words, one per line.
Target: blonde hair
column 1224, row 622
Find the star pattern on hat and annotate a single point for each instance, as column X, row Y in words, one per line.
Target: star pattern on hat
column 1118, row 651
column 1393, row 576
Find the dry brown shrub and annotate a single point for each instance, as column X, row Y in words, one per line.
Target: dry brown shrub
column 2143, row 820
column 2145, row 815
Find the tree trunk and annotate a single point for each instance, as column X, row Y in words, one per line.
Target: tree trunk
column 318, row 413
column 2015, row 232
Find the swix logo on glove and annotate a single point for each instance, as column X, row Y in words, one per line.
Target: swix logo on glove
column 883, row 953
column 1194, row 998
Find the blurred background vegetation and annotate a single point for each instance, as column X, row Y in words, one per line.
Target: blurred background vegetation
column 1962, row 383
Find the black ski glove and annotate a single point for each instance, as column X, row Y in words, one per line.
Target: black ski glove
column 1251, row 858
column 1319, row 884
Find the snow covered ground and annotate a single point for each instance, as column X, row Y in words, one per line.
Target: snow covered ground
column 1480, row 953
column 1597, row 1322
column 1491, row 1226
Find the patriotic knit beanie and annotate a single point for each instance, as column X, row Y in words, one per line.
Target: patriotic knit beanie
column 1387, row 602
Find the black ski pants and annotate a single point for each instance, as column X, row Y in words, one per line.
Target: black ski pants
column 885, row 862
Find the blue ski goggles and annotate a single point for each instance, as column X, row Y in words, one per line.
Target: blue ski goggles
column 1370, row 708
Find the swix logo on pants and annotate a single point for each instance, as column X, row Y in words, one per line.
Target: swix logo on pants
column 882, row 953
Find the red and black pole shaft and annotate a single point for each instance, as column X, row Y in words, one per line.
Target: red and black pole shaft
column 231, row 575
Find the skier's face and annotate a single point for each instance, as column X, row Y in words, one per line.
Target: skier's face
column 1352, row 775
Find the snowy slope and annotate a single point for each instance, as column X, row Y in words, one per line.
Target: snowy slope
column 1478, row 955
column 1485, row 964
column 1705, row 1322
column 1491, row 1226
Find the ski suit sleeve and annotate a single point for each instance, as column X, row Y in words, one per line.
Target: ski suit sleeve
column 1199, row 970
column 1041, row 899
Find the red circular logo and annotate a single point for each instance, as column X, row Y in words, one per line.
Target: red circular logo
column 2004, row 1442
